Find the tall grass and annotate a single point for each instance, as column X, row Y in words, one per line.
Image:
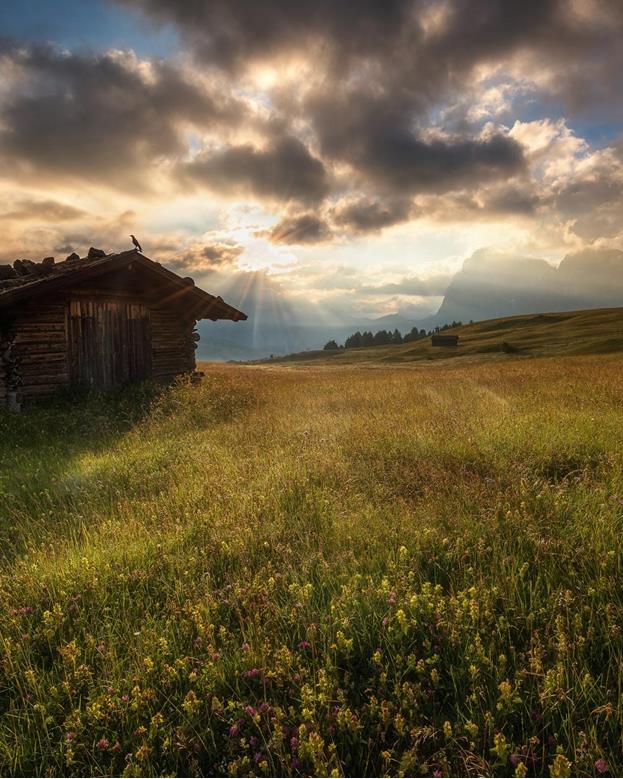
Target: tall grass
column 328, row 571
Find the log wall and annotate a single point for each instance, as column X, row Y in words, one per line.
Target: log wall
column 173, row 345
column 37, row 354
column 33, row 352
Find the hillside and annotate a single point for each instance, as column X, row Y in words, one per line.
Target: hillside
column 597, row 331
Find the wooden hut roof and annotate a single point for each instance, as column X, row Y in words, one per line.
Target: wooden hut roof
column 39, row 279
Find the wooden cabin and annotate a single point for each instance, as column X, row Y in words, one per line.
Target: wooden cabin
column 439, row 339
column 99, row 322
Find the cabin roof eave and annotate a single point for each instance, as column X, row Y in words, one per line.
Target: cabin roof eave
column 202, row 304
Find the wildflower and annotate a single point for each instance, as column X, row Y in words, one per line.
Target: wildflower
column 561, row 767
column 142, row 752
column 70, row 736
column 103, row 743
column 521, row 770
column 515, row 759
column 437, row 773
column 304, row 645
column 500, row 747
column 601, row 766
column 251, row 711
column 233, row 731
column 252, row 673
column 294, row 742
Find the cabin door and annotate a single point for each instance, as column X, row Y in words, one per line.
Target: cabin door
column 109, row 343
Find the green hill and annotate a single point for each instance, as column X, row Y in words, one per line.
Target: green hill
column 597, row 331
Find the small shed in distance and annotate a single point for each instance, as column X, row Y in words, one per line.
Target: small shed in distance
column 439, row 339
column 100, row 322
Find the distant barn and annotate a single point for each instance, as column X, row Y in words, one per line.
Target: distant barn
column 99, row 322
column 444, row 340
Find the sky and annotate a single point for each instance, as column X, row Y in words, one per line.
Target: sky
column 345, row 157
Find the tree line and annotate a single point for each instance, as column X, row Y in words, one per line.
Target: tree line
column 386, row 337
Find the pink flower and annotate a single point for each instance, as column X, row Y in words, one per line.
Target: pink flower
column 233, row 731
column 304, row 645
column 250, row 710
column 102, row 743
column 601, row 766
column 515, row 760
column 437, row 773
column 294, row 742
column 392, row 598
column 70, row 736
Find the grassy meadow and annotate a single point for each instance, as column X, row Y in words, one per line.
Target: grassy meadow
column 379, row 569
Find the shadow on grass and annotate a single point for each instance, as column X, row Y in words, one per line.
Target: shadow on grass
column 38, row 446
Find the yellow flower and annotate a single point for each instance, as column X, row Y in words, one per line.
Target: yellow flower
column 561, row 767
column 521, row 770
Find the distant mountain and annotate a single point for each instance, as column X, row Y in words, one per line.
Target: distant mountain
column 489, row 285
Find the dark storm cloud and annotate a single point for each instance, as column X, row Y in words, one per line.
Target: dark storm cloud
column 511, row 200
column 364, row 215
column 232, row 33
column 98, row 118
column 283, row 171
column 214, row 256
column 374, row 135
column 221, row 253
column 387, row 65
column 298, row 229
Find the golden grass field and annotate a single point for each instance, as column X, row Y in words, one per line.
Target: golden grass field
column 409, row 568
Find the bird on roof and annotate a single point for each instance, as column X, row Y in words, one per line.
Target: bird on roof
column 135, row 242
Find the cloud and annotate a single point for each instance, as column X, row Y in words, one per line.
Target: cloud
column 299, row 229
column 283, row 171
column 43, row 211
column 109, row 118
column 225, row 253
column 591, row 196
column 365, row 215
column 376, row 138
column 430, row 286
column 369, row 76
column 233, row 33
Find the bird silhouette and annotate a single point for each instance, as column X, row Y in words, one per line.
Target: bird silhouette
column 135, row 242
